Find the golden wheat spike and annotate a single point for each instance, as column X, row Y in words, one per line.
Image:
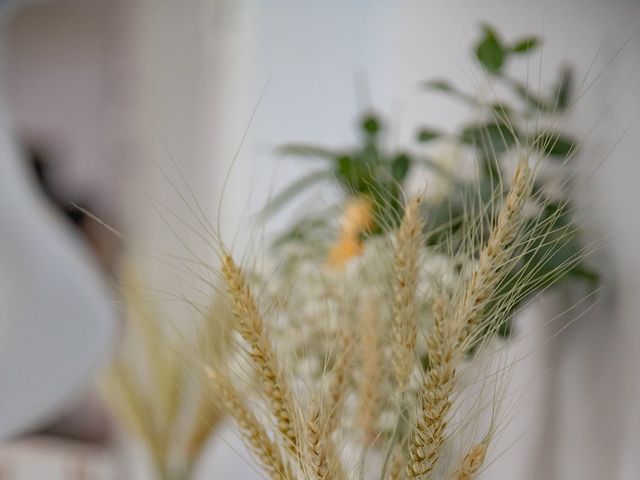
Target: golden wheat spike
column 404, row 329
column 472, row 462
column 448, row 343
column 371, row 378
column 495, row 254
column 251, row 328
column 323, row 460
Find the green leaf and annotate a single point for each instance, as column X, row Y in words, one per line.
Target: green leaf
column 491, row 138
column 489, row 51
column 563, row 92
column 355, row 174
column 296, row 187
column 501, row 111
column 439, row 85
column 554, row 250
column 426, row 135
column 525, row 45
column 505, row 329
column 533, row 100
column 584, row 273
column 370, row 124
column 400, row 167
column 303, row 150
column 554, row 144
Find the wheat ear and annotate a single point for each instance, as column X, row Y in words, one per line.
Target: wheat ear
column 324, row 462
column 472, row 462
column 496, row 253
column 449, row 335
column 251, row 429
column 252, row 329
column 403, row 329
column 429, row 433
column 371, row 363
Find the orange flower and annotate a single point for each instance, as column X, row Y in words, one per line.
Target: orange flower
column 357, row 218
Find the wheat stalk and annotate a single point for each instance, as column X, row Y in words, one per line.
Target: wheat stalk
column 131, row 406
column 213, row 348
column 251, row 328
column 340, row 380
column 207, row 417
column 403, row 329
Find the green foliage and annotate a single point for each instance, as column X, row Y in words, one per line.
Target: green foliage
column 425, row 135
column 494, row 137
column 298, row 186
column 554, row 144
column 525, row 45
column 490, row 51
column 365, row 170
column 553, row 251
column 562, row 92
column 439, row 85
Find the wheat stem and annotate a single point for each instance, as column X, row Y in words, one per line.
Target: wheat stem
column 207, row 419
column 340, row 381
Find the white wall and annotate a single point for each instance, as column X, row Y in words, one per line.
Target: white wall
column 581, row 411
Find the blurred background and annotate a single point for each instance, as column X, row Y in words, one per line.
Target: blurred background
column 112, row 101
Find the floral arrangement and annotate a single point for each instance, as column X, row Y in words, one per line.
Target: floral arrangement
column 375, row 352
